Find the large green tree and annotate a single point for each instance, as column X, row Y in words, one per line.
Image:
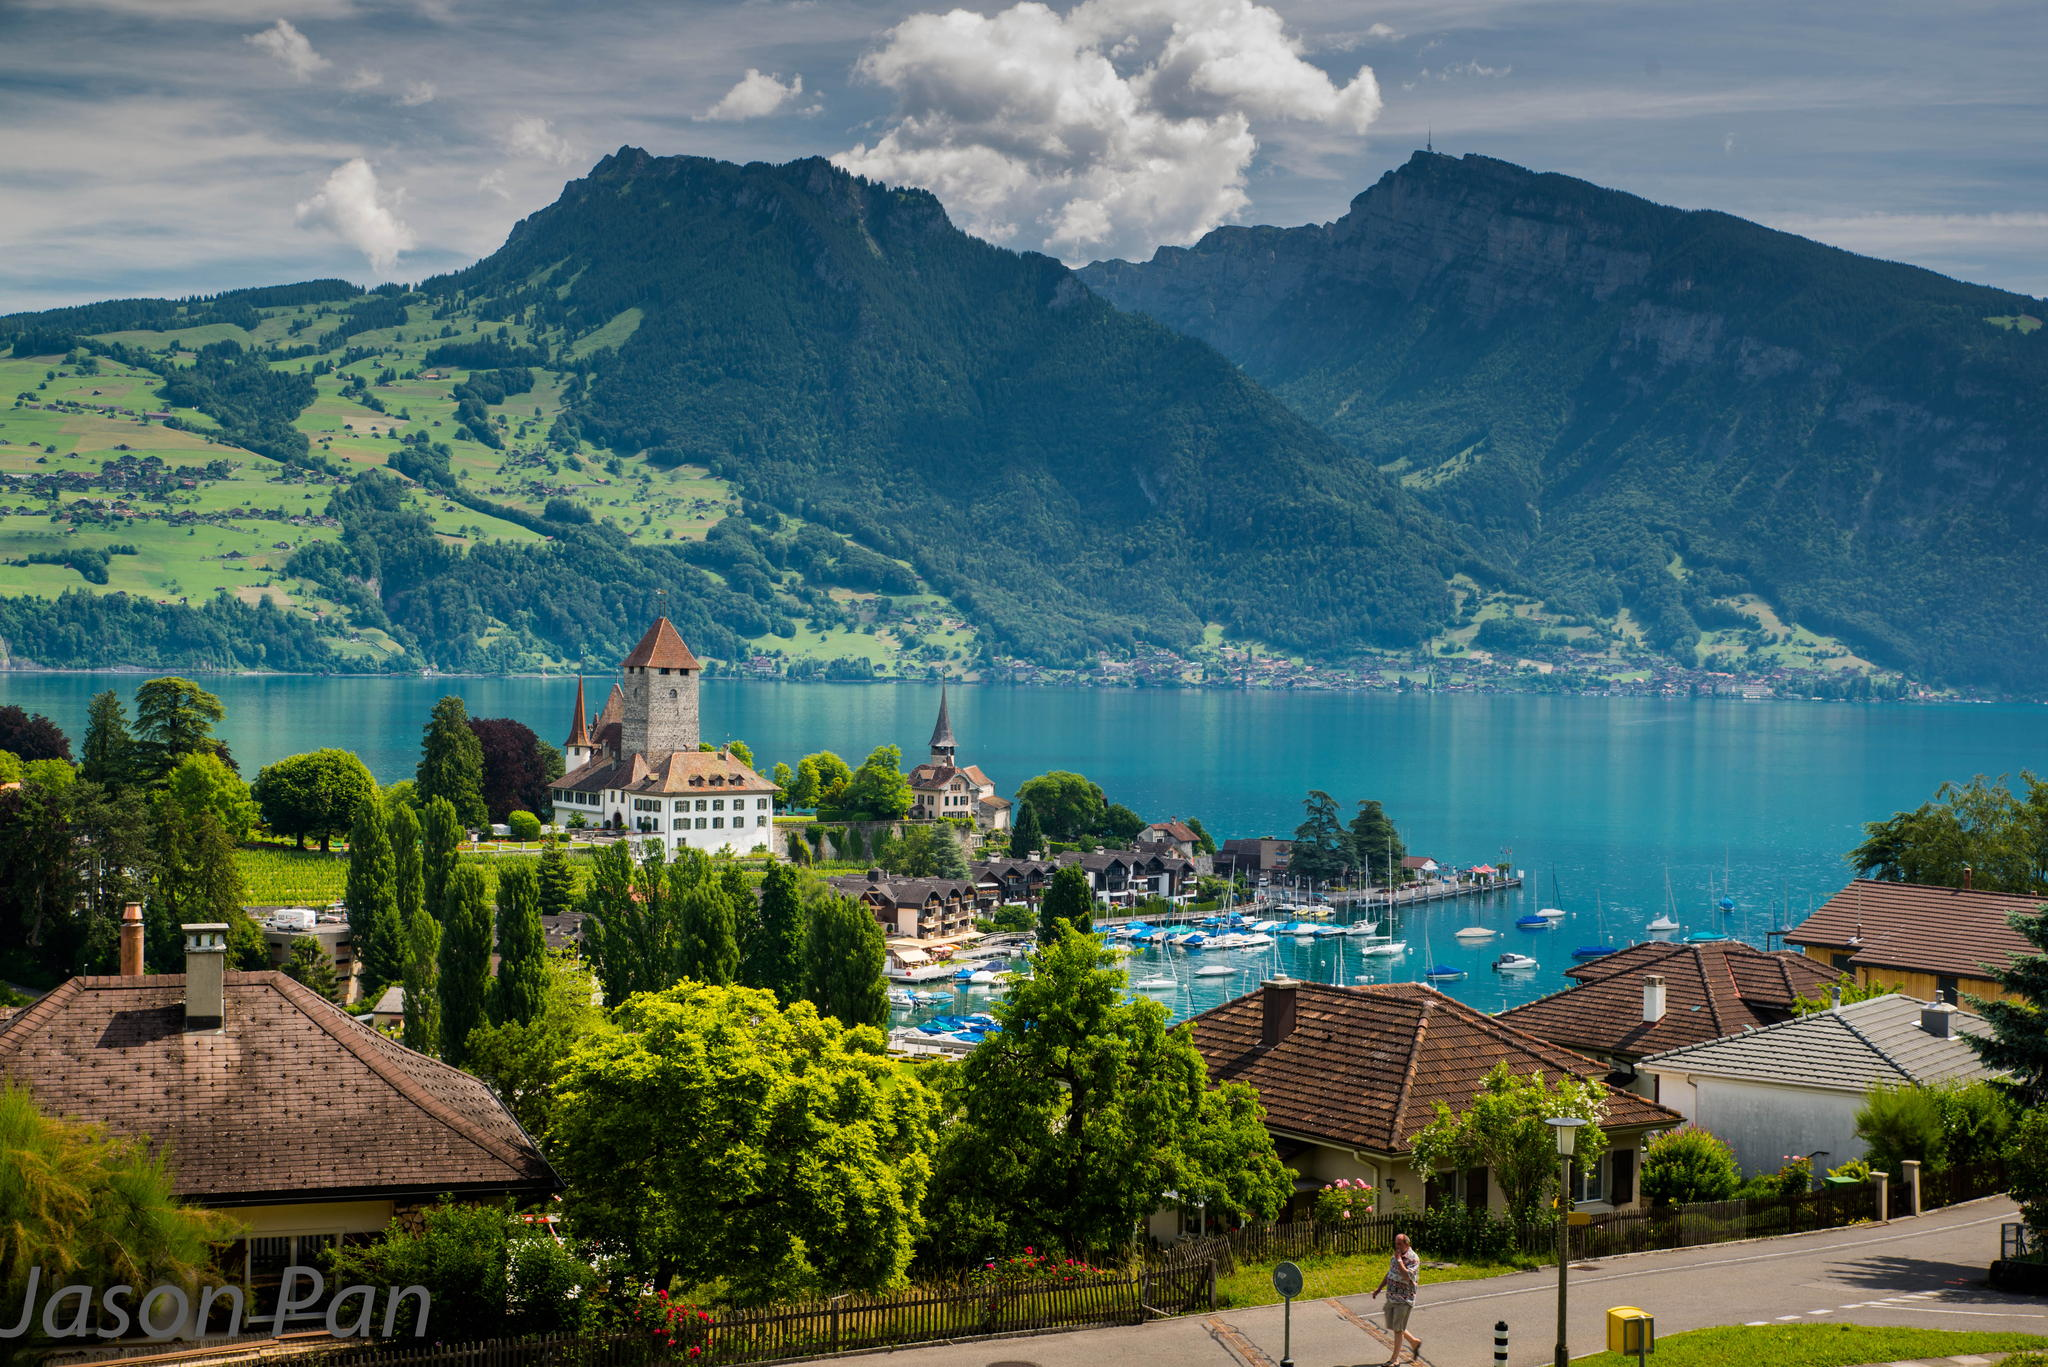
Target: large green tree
column 844, row 956
column 707, row 926
column 1320, row 851
column 2018, row 1041
column 1067, row 804
column 108, row 756
column 878, row 790
column 1069, row 898
column 174, row 718
column 557, row 881
column 421, row 981
column 713, row 1135
column 1026, row 836
column 452, row 763
column 315, row 794
column 1374, row 843
column 371, row 896
column 773, row 957
column 308, row 963
column 522, row 946
column 522, row 1060
column 1502, row 1129
column 464, row 975
column 197, row 877
column 1084, row 1114
column 1981, row 833
column 408, row 871
column 440, row 837
column 631, row 934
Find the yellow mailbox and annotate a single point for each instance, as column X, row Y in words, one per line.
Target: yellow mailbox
column 1631, row 1330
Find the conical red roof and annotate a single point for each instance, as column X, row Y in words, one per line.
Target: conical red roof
column 661, row 648
column 579, row 730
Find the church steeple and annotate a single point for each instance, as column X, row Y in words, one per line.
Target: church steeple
column 942, row 734
column 578, row 747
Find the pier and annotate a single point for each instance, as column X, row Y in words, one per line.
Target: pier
column 1372, row 903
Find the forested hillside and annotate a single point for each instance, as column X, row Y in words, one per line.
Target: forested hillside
column 1671, row 419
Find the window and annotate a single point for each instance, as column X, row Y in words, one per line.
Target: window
column 717, row 823
column 700, row 823
column 717, row 804
column 760, row 821
column 1592, row 1185
column 762, row 803
column 700, row 807
column 1947, row 988
column 682, row 823
column 646, row 804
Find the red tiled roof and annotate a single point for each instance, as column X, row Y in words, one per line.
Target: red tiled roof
column 661, row 648
column 1710, row 990
column 579, row 730
column 1365, row 1066
column 292, row 1099
column 1919, row 928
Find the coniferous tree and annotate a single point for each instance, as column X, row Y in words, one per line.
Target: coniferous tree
column 408, row 876
column 108, row 756
column 174, row 718
column 1068, row 897
column 774, row 958
column 1375, row 844
column 452, row 763
column 421, row 982
column 948, row 859
column 1026, row 838
column 557, row 881
column 440, row 834
column 372, row 899
column 308, row 964
column 522, row 947
column 844, row 958
column 2018, row 1042
column 465, row 960
column 1321, row 849
column 708, row 946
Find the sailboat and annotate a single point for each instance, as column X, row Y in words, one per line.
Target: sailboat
column 1665, row 924
column 1599, row 947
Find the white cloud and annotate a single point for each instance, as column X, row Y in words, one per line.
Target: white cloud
column 493, row 183
column 362, row 78
column 532, row 136
column 354, row 206
column 290, row 47
column 417, row 92
column 1110, row 128
column 757, row 95
column 1909, row 236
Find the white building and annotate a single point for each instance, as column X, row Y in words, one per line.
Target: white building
column 638, row 766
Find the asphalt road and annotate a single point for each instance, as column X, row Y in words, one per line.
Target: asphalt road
column 1926, row 1272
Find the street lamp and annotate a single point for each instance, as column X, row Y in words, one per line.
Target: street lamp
column 1566, row 1128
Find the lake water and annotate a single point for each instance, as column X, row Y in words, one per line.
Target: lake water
column 1604, row 796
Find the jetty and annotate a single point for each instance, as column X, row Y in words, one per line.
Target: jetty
column 1355, row 903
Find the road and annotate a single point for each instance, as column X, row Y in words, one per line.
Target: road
column 1926, row 1272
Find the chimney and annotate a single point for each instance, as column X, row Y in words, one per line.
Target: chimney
column 206, row 962
column 1969, row 875
column 131, row 940
column 1835, row 997
column 1938, row 1019
column 1653, row 998
column 1276, row 1010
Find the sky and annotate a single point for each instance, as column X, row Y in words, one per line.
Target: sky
column 177, row 147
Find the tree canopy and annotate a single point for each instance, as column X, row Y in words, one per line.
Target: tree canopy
column 1980, row 831
column 1502, row 1129
column 316, row 794
column 452, row 763
column 1067, row 805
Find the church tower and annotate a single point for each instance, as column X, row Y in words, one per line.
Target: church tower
column 577, row 750
column 660, row 686
column 942, row 735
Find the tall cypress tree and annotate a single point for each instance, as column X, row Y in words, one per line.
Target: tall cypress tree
column 452, row 763
column 1375, row 844
column 844, row 958
column 108, row 754
column 1026, row 837
column 408, row 879
column 440, row 834
column 422, row 982
column 707, row 942
column 557, row 880
column 774, row 958
column 372, row 900
column 522, row 947
column 465, row 961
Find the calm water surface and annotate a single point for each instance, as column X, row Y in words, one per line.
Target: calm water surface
column 1604, row 796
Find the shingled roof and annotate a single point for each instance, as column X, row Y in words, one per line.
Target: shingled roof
column 1850, row 1048
column 1710, row 990
column 661, row 648
column 292, row 1100
column 1918, row 928
column 1363, row 1067
column 700, row 773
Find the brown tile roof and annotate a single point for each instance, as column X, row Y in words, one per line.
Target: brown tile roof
column 1710, row 990
column 687, row 772
column 579, row 730
column 294, row 1099
column 614, row 710
column 1918, row 928
column 661, row 648
column 1365, row 1066
column 1178, row 831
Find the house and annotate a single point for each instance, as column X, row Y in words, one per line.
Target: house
column 943, row 787
column 639, row 768
column 1796, row 1087
column 1420, row 868
column 1177, row 836
column 266, row 1100
column 1658, row 995
column 1349, row 1075
column 1257, row 858
column 1923, row 941
column 1014, row 880
column 916, row 908
column 330, row 930
column 1128, row 876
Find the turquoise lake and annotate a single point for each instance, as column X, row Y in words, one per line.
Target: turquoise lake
column 1607, row 796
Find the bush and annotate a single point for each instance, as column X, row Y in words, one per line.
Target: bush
column 1456, row 1230
column 1794, row 1179
column 1689, row 1164
column 524, row 825
column 1900, row 1123
column 1343, row 1199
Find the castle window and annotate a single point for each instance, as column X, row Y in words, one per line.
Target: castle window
column 671, row 692
column 760, row 821
column 682, row 823
column 717, row 823
column 700, row 823
column 700, row 804
column 761, row 802
column 717, row 804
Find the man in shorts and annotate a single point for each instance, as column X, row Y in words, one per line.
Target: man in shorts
column 1404, row 1273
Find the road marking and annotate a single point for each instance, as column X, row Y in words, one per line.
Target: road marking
column 1788, row 1317
column 1985, row 1314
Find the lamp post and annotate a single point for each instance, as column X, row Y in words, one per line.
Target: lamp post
column 1566, row 1129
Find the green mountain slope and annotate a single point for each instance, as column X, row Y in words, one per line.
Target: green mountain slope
column 800, row 413
column 1659, row 413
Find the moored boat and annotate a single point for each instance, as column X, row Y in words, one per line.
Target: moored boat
column 1443, row 973
column 1511, row 962
column 1477, row 933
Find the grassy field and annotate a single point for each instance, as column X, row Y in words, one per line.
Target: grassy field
column 1816, row 1345
column 280, row 876
column 1341, row 1275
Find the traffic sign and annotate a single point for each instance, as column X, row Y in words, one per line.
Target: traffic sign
column 1287, row 1281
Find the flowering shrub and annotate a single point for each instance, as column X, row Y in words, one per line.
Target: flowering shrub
column 1344, row 1198
column 1794, row 1179
column 678, row 1326
column 1039, row 1268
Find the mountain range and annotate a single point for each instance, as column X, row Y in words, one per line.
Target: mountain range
column 796, row 409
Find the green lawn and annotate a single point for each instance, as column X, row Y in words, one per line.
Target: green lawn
column 282, row 876
column 1816, row 1345
column 1340, row 1275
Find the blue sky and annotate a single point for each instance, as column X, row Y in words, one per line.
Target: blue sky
column 183, row 146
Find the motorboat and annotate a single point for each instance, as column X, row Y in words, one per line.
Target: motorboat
column 1214, row 971
column 1592, row 951
column 1301, row 929
column 1511, row 962
column 982, row 976
column 1551, row 913
column 1704, row 937
column 1155, row 984
column 1384, row 949
column 1726, row 904
column 1533, row 922
column 1253, row 940
column 1360, row 928
column 901, row 998
column 1476, row 933
column 1443, row 973
column 1663, row 925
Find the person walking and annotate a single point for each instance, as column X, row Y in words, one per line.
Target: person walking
column 1404, row 1274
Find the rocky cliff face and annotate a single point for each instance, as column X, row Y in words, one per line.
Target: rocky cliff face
column 1644, row 407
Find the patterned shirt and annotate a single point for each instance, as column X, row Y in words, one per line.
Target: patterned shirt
column 1404, row 1270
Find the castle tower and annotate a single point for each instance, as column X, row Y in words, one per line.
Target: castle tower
column 942, row 735
column 578, row 749
column 660, row 689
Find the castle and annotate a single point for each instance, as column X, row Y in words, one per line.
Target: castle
column 943, row 787
column 637, row 765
